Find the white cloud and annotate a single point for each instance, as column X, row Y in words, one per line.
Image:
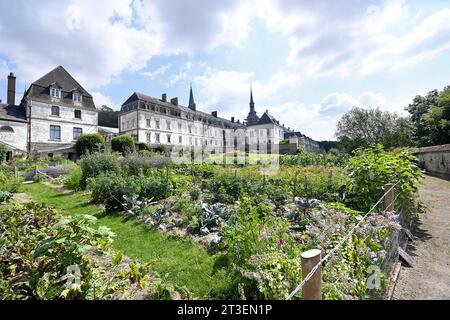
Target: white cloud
column 102, row 100
column 158, row 72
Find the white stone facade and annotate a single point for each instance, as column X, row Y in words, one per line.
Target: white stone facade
column 42, row 119
column 15, row 140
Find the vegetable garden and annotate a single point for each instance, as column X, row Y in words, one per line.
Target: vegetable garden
column 247, row 227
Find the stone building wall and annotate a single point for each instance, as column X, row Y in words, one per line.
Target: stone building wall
column 435, row 160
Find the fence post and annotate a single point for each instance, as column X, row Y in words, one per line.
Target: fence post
column 312, row 290
column 389, row 198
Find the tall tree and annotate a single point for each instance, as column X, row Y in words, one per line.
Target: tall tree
column 365, row 127
column 431, row 117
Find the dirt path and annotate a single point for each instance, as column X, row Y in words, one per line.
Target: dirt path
column 430, row 276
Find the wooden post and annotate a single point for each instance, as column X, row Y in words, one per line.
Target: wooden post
column 312, row 290
column 389, row 198
column 295, row 186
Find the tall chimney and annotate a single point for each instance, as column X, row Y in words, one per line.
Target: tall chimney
column 11, row 89
column 232, row 119
column 164, row 97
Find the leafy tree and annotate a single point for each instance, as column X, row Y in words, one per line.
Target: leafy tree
column 362, row 127
column 3, row 152
column 431, row 117
column 107, row 117
column 89, row 143
column 123, row 144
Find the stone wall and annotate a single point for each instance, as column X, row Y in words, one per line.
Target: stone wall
column 435, row 160
column 288, row 148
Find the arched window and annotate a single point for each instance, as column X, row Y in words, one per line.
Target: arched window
column 6, row 129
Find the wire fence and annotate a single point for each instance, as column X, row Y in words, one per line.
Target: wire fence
column 380, row 205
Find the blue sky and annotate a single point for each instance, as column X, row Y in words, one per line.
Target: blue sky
column 308, row 62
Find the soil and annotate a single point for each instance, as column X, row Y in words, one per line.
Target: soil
column 22, row 198
column 429, row 278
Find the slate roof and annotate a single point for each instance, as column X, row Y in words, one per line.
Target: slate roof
column 39, row 90
column 140, row 96
column 12, row 113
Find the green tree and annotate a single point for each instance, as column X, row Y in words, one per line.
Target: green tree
column 89, row 143
column 431, row 117
column 123, row 144
column 362, row 127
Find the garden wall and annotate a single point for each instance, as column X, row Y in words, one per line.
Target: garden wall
column 435, row 160
column 288, row 148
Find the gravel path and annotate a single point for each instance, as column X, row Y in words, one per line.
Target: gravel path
column 429, row 278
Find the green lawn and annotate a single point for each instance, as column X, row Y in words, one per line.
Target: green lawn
column 180, row 261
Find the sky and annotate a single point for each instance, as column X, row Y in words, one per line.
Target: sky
column 308, row 62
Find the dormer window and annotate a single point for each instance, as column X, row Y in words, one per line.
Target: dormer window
column 76, row 96
column 55, row 92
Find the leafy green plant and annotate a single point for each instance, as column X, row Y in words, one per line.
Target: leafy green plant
column 157, row 185
column 89, row 143
column 73, row 180
column 9, row 182
column 92, row 165
column 262, row 250
column 5, row 196
column 110, row 188
column 37, row 248
column 123, row 144
column 370, row 169
column 3, row 152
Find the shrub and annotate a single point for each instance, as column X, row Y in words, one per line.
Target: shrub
column 92, row 165
column 110, row 187
column 73, row 180
column 38, row 247
column 90, row 143
column 5, row 196
column 123, row 144
column 8, row 182
column 262, row 251
column 370, row 169
column 137, row 163
column 3, row 152
column 162, row 149
column 142, row 146
column 157, row 186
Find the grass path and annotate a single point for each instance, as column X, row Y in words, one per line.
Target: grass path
column 179, row 261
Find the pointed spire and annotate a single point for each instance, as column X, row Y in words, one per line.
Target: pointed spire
column 191, row 99
column 252, row 103
column 252, row 118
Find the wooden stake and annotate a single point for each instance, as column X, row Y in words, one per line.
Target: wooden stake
column 389, row 198
column 312, row 290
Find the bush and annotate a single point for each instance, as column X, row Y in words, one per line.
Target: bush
column 137, row 163
column 370, row 169
column 157, row 186
column 142, row 146
column 92, row 165
column 73, row 180
column 5, row 196
column 3, row 152
column 89, row 143
column 37, row 248
column 262, row 251
column 8, row 182
column 123, row 144
column 110, row 188
column 162, row 149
